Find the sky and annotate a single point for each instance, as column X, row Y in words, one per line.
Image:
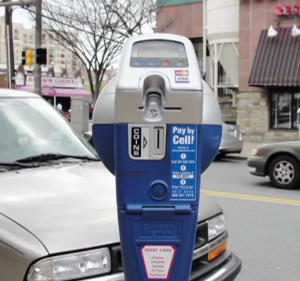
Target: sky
column 20, row 16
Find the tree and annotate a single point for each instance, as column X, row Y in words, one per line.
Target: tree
column 95, row 30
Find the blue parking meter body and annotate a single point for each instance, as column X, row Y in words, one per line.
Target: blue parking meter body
column 157, row 135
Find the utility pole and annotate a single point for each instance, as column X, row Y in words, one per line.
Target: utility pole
column 38, row 44
column 9, row 45
column 38, row 38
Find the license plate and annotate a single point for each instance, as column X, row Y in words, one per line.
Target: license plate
column 232, row 133
column 252, row 169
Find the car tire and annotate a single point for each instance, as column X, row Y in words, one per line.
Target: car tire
column 284, row 172
column 219, row 156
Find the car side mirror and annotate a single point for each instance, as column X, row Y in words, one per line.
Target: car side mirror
column 88, row 136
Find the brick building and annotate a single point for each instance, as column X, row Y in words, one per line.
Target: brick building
column 252, row 67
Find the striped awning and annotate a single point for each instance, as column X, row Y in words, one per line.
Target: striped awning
column 277, row 60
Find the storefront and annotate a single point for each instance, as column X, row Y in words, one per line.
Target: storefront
column 254, row 69
column 267, row 110
column 56, row 90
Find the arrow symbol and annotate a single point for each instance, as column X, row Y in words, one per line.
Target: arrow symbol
column 144, row 142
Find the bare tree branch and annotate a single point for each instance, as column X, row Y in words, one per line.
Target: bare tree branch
column 95, row 30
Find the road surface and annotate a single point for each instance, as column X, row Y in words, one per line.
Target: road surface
column 263, row 222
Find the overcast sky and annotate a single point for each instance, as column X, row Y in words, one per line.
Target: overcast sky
column 22, row 16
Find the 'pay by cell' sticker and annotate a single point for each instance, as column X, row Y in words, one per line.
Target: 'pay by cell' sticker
column 182, row 76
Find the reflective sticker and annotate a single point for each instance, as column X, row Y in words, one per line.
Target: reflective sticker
column 158, row 260
column 182, row 76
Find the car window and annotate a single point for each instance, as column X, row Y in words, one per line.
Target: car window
column 30, row 126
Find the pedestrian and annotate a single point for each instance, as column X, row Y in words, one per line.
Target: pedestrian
column 59, row 107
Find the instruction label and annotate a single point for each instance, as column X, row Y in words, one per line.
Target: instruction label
column 183, row 162
column 140, row 142
column 158, row 260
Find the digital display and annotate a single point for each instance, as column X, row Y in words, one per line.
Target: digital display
column 158, row 49
column 158, row 53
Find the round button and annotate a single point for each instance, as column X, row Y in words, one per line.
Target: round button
column 158, row 191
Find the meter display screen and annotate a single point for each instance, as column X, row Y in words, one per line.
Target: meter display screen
column 158, row 53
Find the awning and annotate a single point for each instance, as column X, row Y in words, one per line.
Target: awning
column 277, row 60
column 59, row 92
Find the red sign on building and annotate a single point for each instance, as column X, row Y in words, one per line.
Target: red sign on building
column 288, row 10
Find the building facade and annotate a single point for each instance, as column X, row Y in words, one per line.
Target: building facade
column 24, row 38
column 254, row 69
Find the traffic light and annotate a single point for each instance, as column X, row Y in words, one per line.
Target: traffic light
column 28, row 57
column 41, row 56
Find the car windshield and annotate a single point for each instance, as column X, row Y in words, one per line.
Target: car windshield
column 31, row 126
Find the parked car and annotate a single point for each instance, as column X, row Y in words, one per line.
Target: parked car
column 279, row 161
column 232, row 141
column 91, row 110
column 58, row 214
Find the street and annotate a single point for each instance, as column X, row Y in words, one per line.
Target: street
column 262, row 221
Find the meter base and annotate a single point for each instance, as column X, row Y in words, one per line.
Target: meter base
column 157, row 243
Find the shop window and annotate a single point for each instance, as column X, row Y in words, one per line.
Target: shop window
column 284, row 108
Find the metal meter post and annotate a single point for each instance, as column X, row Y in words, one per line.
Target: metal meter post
column 155, row 134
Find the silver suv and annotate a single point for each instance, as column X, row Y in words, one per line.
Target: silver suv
column 58, row 215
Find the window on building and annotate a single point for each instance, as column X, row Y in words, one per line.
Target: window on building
column 198, row 46
column 43, row 38
column 25, row 38
column 62, row 55
column 283, row 110
column 16, row 34
column 30, row 39
column 62, row 62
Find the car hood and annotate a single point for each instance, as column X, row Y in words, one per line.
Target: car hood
column 69, row 207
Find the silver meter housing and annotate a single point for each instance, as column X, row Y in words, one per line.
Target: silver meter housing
column 158, row 83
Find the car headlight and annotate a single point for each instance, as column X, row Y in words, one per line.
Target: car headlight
column 254, row 151
column 71, row 266
column 216, row 226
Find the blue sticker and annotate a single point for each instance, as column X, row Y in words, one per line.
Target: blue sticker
column 183, row 162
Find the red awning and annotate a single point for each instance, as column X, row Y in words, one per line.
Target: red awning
column 277, row 60
column 59, row 92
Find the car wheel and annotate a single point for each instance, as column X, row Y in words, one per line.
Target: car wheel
column 284, row 172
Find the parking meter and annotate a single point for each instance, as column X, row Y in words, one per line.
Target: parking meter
column 148, row 131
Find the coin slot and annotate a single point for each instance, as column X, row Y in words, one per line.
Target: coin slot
column 158, row 141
